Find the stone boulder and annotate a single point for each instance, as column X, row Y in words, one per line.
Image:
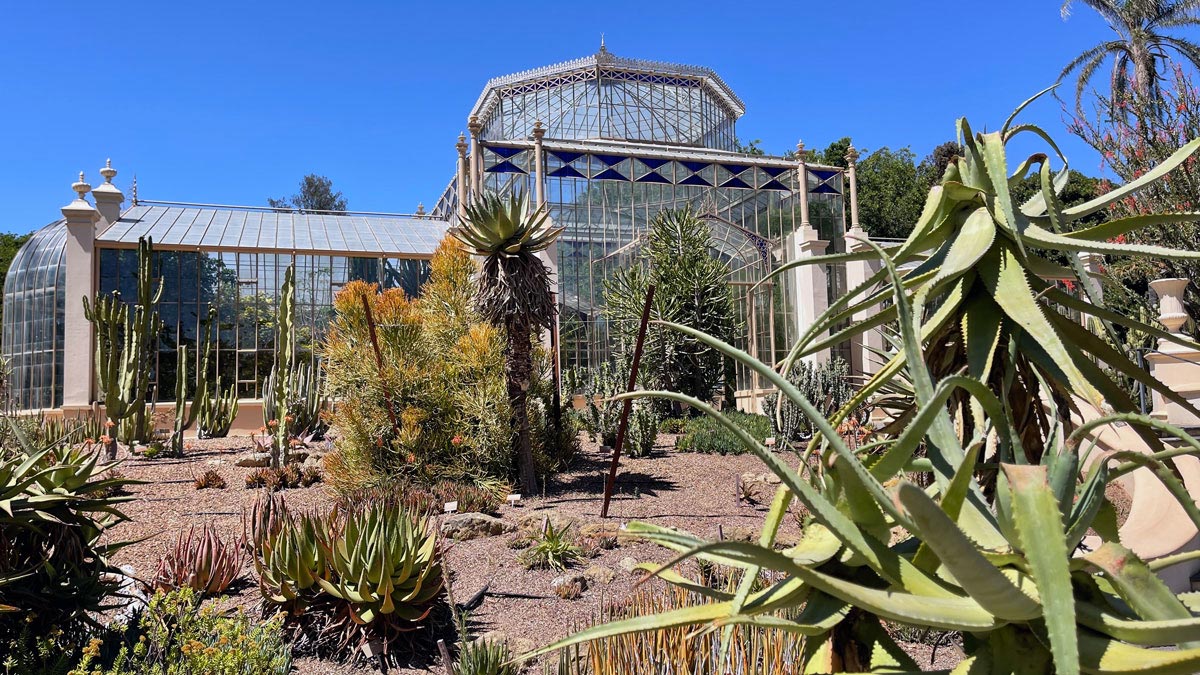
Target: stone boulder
column 532, row 522
column 253, row 460
column 599, row 574
column 466, row 526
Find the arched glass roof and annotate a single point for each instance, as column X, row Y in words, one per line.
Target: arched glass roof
column 32, row 339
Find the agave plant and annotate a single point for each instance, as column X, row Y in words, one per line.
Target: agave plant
column 368, row 569
column 981, row 273
column 514, row 292
column 998, row 565
column 201, row 561
column 56, row 507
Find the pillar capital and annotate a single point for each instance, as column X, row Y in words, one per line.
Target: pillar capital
column 474, row 126
column 852, row 156
column 461, row 145
column 79, row 210
column 538, row 131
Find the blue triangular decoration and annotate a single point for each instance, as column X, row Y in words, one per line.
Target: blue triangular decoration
column 774, row 171
column 505, row 167
column 610, row 159
column 566, row 157
column 774, row 185
column 734, row 168
column 695, row 180
column 652, row 162
column 824, row 174
column 504, row 152
column 825, row 189
column 609, row 174
column 652, row 177
column 567, row 171
column 695, row 166
column 735, row 182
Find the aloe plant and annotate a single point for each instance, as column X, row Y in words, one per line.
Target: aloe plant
column 201, row 560
column 988, row 548
column 57, row 505
column 369, row 568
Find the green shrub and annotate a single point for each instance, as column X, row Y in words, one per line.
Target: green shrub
column 176, row 635
column 691, row 288
column 443, row 371
column 643, row 430
column 825, row 385
column 705, row 435
column 364, row 570
column 57, row 507
column 484, row 657
column 552, row 550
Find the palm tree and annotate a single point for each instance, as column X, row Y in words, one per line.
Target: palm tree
column 514, row 293
column 1141, row 43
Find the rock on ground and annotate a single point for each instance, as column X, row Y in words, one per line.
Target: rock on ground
column 466, row 526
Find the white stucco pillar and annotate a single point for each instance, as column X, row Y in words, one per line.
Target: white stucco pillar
column 109, row 199
column 811, row 283
column 80, row 254
column 864, row 347
column 1175, row 365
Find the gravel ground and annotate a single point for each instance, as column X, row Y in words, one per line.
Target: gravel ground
column 694, row 492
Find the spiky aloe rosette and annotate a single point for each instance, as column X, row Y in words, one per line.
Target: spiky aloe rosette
column 361, row 572
column 997, row 375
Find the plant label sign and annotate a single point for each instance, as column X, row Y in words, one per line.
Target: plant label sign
column 451, row 507
column 770, row 441
column 513, row 499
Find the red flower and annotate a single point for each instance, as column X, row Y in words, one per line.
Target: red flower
column 457, row 440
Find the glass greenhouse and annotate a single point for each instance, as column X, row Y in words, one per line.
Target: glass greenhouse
column 228, row 259
column 622, row 139
column 604, row 142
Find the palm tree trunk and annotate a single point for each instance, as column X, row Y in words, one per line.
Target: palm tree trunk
column 518, row 368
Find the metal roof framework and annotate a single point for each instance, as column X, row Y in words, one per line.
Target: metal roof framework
column 209, row 227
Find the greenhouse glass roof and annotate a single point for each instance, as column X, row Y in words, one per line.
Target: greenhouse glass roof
column 194, row 227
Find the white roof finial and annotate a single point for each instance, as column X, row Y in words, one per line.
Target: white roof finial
column 108, row 172
column 81, row 187
column 603, row 49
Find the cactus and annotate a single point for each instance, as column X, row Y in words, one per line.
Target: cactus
column 217, row 409
column 279, row 389
column 186, row 415
column 126, row 337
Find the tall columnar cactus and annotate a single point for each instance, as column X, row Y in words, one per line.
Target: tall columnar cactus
column 217, row 408
column 281, row 382
column 126, row 336
column 185, row 416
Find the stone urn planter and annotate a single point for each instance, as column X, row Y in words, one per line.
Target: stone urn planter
column 1171, row 312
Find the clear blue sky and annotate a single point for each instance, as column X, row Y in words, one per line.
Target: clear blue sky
column 233, row 102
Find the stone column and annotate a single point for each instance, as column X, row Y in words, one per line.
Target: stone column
column 539, row 165
column 1175, row 365
column 852, row 176
column 476, row 127
column 109, row 199
column 80, row 255
column 863, row 347
column 811, row 283
column 802, row 183
column 463, row 176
